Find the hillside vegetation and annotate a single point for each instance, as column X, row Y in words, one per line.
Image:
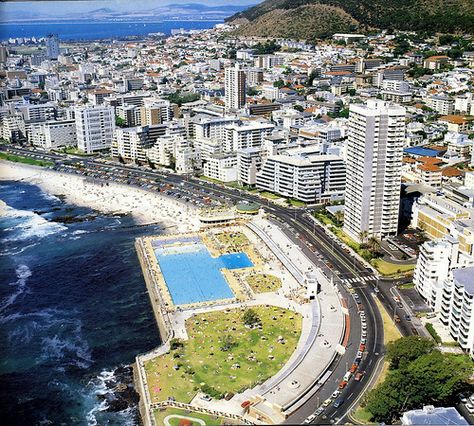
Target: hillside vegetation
column 309, row 19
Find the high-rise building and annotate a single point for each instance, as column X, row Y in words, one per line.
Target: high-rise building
column 52, row 46
column 94, row 127
column 374, row 165
column 234, row 87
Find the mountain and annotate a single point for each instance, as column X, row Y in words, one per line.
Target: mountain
column 310, row 19
column 186, row 11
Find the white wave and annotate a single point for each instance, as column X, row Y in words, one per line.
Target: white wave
column 29, row 225
column 79, row 232
column 22, row 273
column 15, row 253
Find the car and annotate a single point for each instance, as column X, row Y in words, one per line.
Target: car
column 359, row 375
column 326, row 403
column 309, row 419
column 206, row 398
column 470, row 408
column 376, row 290
column 338, row 402
column 359, row 354
column 319, row 411
column 363, row 341
column 361, row 347
column 342, row 384
column 353, row 368
column 336, row 393
column 407, row 317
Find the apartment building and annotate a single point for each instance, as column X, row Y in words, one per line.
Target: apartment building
column 235, row 95
column 304, row 174
column 53, row 134
column 222, row 167
column 435, row 215
column 52, row 46
column 131, row 144
column 376, row 135
column 246, row 136
column 94, row 128
column 441, row 104
column 155, row 111
column 457, row 307
column 38, row 112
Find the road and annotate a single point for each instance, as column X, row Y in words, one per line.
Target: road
column 337, row 263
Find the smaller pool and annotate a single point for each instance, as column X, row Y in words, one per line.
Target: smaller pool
column 235, row 261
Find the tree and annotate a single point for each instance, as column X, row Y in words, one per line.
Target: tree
column 432, row 378
column 402, row 351
column 374, row 245
column 227, row 343
column 363, row 236
column 251, row 318
column 120, row 122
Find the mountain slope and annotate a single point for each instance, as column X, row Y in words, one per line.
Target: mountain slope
column 414, row 15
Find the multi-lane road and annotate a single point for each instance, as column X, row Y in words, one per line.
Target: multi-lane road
column 357, row 283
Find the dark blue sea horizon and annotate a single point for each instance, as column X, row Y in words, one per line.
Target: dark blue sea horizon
column 73, row 308
column 94, row 30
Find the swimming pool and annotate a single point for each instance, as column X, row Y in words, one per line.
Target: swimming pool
column 192, row 275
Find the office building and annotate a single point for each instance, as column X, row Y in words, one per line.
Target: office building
column 376, row 135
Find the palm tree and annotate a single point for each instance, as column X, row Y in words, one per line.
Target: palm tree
column 374, row 245
column 363, row 236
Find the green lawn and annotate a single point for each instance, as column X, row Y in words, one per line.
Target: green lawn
column 202, row 364
column 75, row 151
column 263, row 283
column 270, row 195
column 388, row 268
column 296, row 203
column 233, row 240
column 160, row 416
column 25, row 160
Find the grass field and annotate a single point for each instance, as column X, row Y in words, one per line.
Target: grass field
column 160, row 416
column 203, row 364
column 25, row 160
column 388, row 268
column 263, row 283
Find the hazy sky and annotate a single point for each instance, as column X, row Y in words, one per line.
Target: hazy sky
column 59, row 7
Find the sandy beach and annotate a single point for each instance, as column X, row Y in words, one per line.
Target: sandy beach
column 144, row 206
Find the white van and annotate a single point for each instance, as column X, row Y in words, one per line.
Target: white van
column 347, row 376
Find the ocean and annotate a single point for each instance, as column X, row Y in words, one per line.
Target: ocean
column 73, row 310
column 84, row 30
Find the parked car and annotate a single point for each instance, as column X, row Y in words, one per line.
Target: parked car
column 359, row 375
column 343, row 384
column 338, row 402
column 309, row 419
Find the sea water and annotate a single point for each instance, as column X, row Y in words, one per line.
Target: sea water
column 73, row 308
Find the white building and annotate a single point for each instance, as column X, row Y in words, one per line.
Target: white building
column 435, row 261
column 303, row 174
column 376, row 136
column 246, row 136
column 222, row 167
column 131, row 143
column 234, row 88
column 53, row 134
column 94, row 128
column 457, row 306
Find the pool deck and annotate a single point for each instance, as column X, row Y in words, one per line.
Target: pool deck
column 323, row 328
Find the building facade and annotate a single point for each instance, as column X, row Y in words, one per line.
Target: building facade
column 374, row 162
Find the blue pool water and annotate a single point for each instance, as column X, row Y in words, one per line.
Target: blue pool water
column 193, row 275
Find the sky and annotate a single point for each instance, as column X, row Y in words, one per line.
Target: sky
column 51, row 7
